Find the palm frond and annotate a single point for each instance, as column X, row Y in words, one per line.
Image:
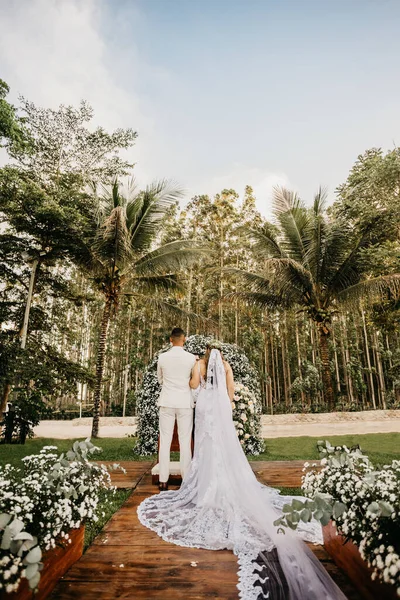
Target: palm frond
column 164, row 307
column 256, row 282
column 295, row 223
column 347, row 273
column 371, row 290
column 112, row 243
column 171, row 257
column 291, row 278
column 264, row 240
column 146, row 212
column 318, row 230
column 156, row 283
column 320, row 200
column 281, row 282
column 264, row 301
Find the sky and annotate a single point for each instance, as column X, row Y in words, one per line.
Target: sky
column 222, row 93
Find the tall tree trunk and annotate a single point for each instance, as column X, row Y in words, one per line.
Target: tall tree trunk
column 101, row 351
column 284, row 369
column 189, row 302
column 278, row 382
column 23, row 333
column 287, row 361
column 268, row 389
column 299, row 358
column 221, row 289
column 337, row 372
column 236, row 305
column 346, row 361
column 381, row 377
column 275, row 396
column 370, row 376
column 326, row 367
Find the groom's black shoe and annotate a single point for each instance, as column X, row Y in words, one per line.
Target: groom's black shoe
column 163, row 487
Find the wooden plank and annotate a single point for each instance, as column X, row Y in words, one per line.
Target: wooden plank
column 94, row 590
column 274, row 473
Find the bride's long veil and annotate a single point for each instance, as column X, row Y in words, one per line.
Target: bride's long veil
column 297, row 574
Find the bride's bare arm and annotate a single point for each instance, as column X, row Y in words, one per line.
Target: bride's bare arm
column 195, row 378
column 230, row 384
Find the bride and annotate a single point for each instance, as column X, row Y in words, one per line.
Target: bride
column 222, row 505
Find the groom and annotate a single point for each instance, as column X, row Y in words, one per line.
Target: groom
column 174, row 370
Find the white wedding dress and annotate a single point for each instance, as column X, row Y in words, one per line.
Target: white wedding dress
column 222, row 505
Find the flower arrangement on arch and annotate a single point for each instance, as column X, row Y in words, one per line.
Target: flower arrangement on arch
column 243, row 372
column 246, row 418
column 362, row 501
column 41, row 502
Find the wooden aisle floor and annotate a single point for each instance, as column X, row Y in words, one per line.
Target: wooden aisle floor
column 131, row 562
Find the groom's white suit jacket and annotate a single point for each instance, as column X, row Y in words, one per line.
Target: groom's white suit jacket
column 173, row 370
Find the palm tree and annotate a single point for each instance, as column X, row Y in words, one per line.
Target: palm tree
column 124, row 262
column 313, row 263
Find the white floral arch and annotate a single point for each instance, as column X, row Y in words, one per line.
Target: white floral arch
column 246, row 405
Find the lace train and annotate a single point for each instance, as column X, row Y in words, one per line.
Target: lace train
column 221, row 505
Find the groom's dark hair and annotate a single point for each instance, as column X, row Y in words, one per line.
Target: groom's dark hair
column 177, row 333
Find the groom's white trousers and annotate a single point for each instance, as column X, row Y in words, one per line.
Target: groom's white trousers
column 184, row 416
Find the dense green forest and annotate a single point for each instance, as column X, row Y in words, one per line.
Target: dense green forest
column 95, row 272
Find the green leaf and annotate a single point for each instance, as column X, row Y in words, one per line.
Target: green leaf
column 386, row 509
column 33, row 555
column 24, row 535
column 305, row 515
column 374, row 508
column 298, row 504
column 6, row 539
column 326, row 517
column 31, row 570
column 34, row 582
column 16, row 526
column 4, row 520
column 287, row 508
column 338, row 509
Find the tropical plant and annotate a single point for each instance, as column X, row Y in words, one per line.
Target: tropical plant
column 362, row 501
column 314, row 264
column 123, row 261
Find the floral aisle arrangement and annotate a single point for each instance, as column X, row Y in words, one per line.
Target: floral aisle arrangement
column 363, row 502
column 246, row 417
column 39, row 505
column 244, row 374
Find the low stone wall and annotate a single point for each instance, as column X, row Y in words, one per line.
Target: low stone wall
column 273, row 426
column 335, row 423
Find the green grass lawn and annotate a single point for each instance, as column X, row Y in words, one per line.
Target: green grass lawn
column 380, row 447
